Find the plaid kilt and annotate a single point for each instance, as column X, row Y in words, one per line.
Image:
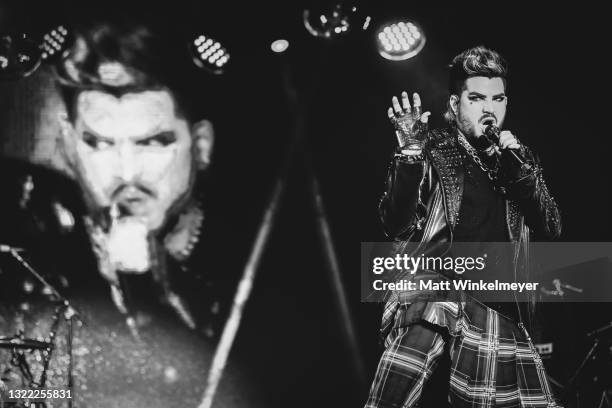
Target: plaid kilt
column 493, row 361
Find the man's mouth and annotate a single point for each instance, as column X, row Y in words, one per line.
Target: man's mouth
column 132, row 207
column 132, row 201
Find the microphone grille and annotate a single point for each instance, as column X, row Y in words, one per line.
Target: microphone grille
column 492, row 131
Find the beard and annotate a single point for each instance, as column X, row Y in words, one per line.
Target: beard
column 468, row 128
column 157, row 206
column 475, row 129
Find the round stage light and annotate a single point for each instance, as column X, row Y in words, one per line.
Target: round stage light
column 56, row 43
column 280, row 45
column 400, row 41
column 209, row 54
column 335, row 22
column 19, row 56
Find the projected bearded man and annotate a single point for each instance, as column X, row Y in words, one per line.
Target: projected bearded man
column 131, row 142
column 120, row 240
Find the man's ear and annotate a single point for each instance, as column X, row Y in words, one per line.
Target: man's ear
column 64, row 124
column 203, row 141
column 66, row 144
column 66, row 139
column 453, row 102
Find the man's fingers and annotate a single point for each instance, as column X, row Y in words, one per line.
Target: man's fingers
column 405, row 107
column 507, row 140
column 396, row 106
column 425, row 117
column 514, row 146
column 406, row 101
column 416, row 102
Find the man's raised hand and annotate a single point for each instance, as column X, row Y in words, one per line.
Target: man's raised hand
column 409, row 122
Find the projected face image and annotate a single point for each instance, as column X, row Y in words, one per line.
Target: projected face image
column 132, row 151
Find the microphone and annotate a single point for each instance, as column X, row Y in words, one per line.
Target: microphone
column 492, row 133
column 558, row 284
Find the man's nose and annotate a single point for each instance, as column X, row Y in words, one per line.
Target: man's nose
column 487, row 106
column 127, row 164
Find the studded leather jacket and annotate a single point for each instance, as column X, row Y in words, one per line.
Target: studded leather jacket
column 423, row 197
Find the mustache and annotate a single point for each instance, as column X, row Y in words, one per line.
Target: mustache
column 102, row 216
column 137, row 186
column 488, row 117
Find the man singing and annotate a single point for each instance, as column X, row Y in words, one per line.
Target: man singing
column 149, row 293
column 131, row 140
column 471, row 182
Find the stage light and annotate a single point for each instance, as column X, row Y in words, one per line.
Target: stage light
column 209, row 54
column 335, row 23
column 19, row 56
column 280, row 45
column 400, row 41
column 56, row 43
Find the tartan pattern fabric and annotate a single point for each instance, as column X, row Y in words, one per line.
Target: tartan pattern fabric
column 405, row 366
column 493, row 361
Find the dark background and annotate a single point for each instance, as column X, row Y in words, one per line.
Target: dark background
column 291, row 334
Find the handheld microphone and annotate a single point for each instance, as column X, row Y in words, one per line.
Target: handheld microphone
column 558, row 284
column 492, row 133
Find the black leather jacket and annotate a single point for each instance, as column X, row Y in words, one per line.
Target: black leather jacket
column 422, row 198
column 422, row 201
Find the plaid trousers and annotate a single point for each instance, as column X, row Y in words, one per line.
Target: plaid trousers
column 493, row 361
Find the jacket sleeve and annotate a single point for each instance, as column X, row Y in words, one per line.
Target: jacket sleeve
column 402, row 208
column 528, row 188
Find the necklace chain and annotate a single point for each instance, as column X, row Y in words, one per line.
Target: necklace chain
column 491, row 174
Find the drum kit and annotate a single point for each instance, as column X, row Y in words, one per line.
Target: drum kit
column 20, row 347
column 578, row 350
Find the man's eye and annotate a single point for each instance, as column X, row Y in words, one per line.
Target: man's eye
column 149, row 142
column 160, row 140
column 95, row 142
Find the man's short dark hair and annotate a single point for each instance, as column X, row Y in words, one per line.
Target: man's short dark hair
column 473, row 62
column 477, row 61
column 152, row 60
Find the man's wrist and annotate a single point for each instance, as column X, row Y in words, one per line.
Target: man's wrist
column 409, row 155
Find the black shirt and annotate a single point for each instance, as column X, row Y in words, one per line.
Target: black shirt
column 482, row 216
column 482, row 220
